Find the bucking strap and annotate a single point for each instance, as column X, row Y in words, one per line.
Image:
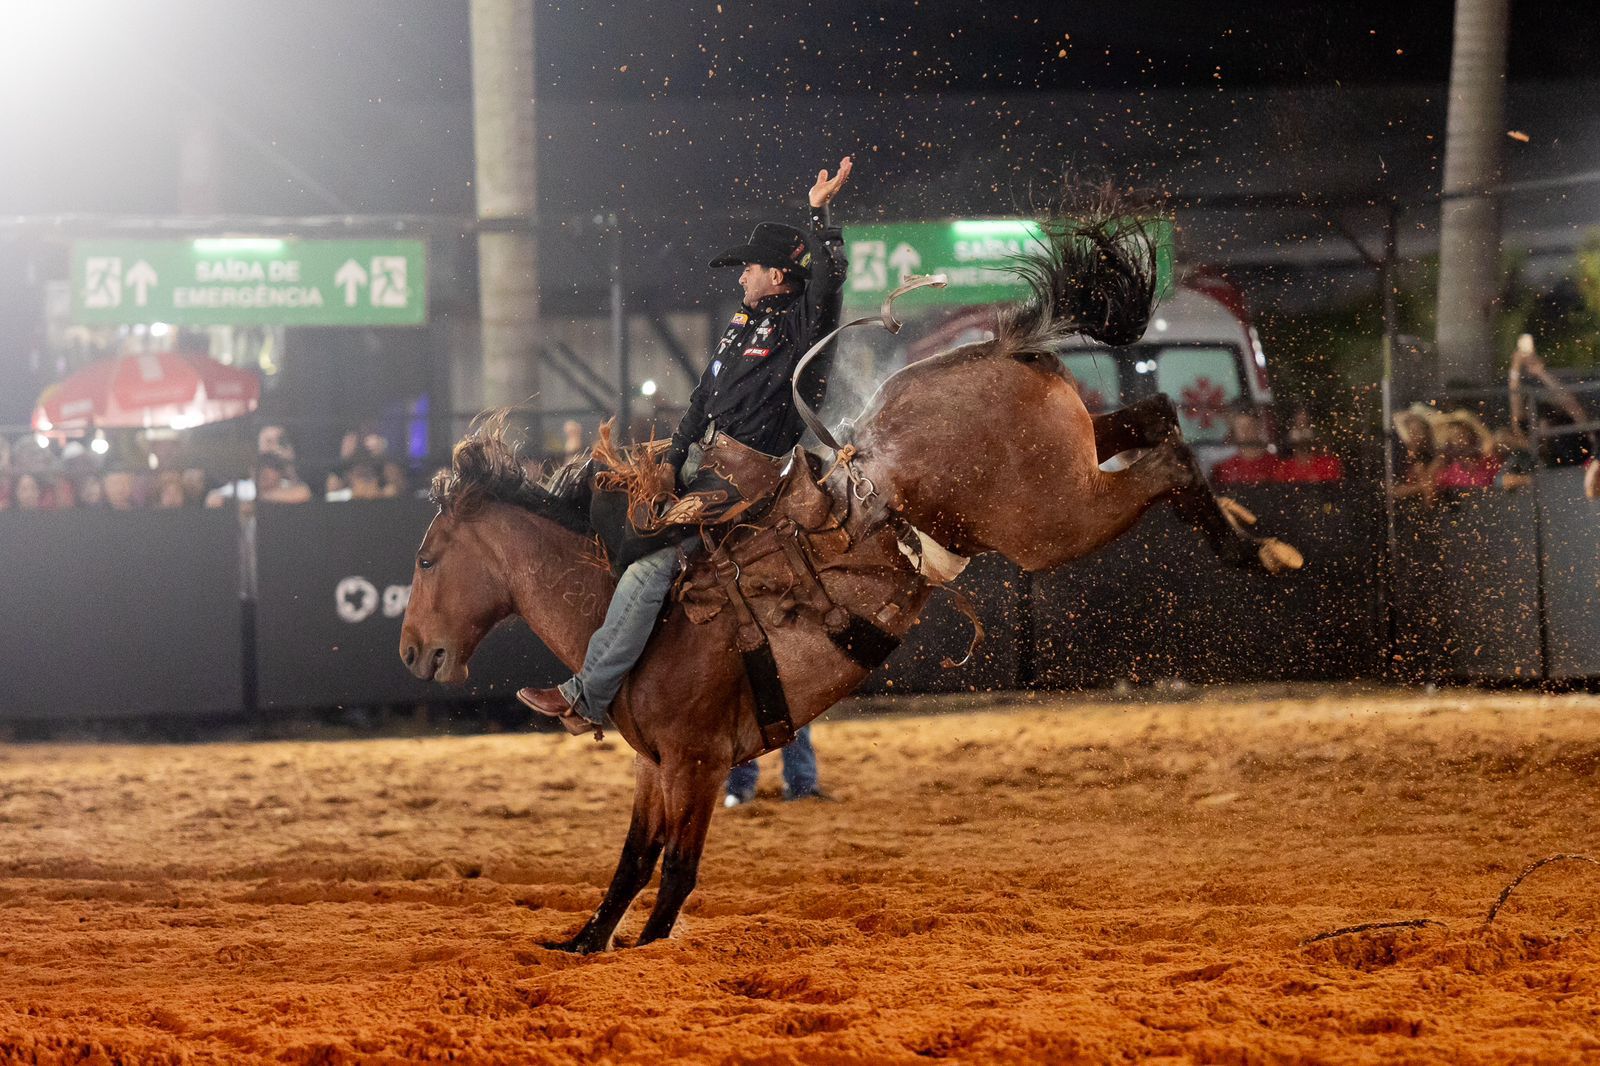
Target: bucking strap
column 772, row 707
column 866, row 644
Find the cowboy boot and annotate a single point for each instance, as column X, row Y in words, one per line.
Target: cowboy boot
column 552, row 704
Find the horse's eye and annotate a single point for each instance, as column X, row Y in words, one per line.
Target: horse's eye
column 425, row 564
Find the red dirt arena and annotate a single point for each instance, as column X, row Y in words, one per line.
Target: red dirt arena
column 1047, row 880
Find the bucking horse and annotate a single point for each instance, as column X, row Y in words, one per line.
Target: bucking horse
column 985, row 448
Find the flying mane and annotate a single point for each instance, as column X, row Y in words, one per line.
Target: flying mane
column 485, row 467
column 1094, row 275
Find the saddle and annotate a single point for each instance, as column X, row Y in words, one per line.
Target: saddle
column 757, row 548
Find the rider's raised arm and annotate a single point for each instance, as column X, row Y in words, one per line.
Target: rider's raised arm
column 824, row 291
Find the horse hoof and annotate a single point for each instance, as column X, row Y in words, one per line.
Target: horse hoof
column 1278, row 557
column 575, row 946
column 1237, row 514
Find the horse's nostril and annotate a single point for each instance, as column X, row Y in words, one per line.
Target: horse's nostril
column 410, row 655
column 438, row 657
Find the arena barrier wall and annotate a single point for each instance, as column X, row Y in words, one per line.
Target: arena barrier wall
column 1488, row 586
column 107, row 614
column 1571, row 575
column 332, row 586
column 1157, row 604
column 1467, row 587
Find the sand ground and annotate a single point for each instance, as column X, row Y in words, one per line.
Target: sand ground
column 1049, row 880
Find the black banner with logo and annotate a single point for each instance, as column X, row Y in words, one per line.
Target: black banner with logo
column 333, row 581
column 1158, row 604
column 107, row 614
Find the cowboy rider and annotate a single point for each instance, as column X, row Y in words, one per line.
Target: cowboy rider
column 741, row 416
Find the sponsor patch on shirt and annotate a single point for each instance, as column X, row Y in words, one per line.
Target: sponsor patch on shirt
column 740, row 319
column 757, row 353
column 716, row 367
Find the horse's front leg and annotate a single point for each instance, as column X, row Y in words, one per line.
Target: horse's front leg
column 691, row 789
column 639, row 854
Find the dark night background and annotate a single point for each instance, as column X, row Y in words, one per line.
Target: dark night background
column 691, row 120
column 371, row 101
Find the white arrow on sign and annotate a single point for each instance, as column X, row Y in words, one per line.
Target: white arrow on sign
column 141, row 276
column 350, row 278
column 905, row 260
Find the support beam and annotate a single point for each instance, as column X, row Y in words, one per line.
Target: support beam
column 508, row 255
column 1469, row 217
column 675, row 348
column 552, row 356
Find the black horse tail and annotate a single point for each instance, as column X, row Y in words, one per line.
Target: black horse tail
column 1094, row 274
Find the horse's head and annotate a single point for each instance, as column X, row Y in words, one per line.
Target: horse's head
column 462, row 586
column 457, row 595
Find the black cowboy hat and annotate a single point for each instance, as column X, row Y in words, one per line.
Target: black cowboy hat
column 772, row 244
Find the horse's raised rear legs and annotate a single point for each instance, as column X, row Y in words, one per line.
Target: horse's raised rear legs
column 646, row 835
column 1153, row 423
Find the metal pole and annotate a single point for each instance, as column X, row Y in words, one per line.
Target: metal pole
column 1390, row 334
column 619, row 335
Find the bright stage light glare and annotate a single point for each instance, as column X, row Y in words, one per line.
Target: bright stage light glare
column 648, row 387
column 238, row 244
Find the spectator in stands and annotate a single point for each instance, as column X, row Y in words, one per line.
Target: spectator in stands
column 275, row 482
column 364, row 446
column 91, row 493
column 272, row 440
column 27, row 494
column 1517, row 461
column 169, row 490
column 1558, row 446
column 57, row 492
column 1253, row 462
column 1466, row 453
column 119, row 489
column 1417, row 458
column 193, row 480
column 365, row 481
column 1308, row 462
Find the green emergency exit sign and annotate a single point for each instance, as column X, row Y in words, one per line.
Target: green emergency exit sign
column 976, row 255
column 250, row 281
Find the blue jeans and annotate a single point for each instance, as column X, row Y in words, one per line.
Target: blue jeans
column 620, row 640
column 799, row 770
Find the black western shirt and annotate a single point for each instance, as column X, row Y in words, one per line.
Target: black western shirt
column 746, row 389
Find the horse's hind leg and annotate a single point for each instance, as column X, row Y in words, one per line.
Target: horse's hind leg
column 691, row 788
column 1152, row 423
column 639, row 854
column 1142, row 424
column 1112, row 502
